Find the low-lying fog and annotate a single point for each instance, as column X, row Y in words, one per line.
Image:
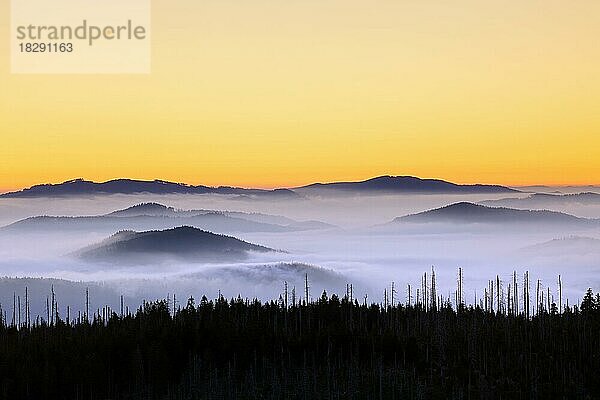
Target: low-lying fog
column 363, row 249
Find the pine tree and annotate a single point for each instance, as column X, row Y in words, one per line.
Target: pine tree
column 588, row 303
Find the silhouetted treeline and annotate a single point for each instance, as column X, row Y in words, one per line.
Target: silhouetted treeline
column 331, row 348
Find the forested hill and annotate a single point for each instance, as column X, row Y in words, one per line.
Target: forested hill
column 182, row 242
column 404, row 185
column 469, row 213
column 329, row 349
column 82, row 187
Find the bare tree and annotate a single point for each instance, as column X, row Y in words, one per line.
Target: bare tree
column 559, row 295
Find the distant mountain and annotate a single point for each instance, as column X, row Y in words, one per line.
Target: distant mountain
column 469, row 213
column 403, row 184
column 146, row 209
column 214, row 222
column 182, row 243
column 258, row 217
column 311, row 225
column 378, row 185
column 149, row 216
column 559, row 189
column 570, row 246
column 157, row 210
column 546, row 200
column 272, row 273
column 81, row 187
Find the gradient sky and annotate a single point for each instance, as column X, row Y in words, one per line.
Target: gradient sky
column 284, row 92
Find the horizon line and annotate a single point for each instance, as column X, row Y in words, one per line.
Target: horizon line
column 270, row 187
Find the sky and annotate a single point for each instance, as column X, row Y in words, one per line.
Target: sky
column 271, row 93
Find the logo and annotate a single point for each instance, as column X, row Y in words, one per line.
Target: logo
column 80, row 36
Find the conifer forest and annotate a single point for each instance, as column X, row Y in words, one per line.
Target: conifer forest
column 414, row 345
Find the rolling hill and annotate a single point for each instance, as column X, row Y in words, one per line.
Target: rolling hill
column 569, row 246
column 182, row 243
column 147, row 209
column 402, row 184
column 377, row 185
column 81, row 187
column 149, row 216
column 156, row 209
column 469, row 213
column 273, row 273
column 547, row 200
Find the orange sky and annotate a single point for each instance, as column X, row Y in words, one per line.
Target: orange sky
column 270, row 93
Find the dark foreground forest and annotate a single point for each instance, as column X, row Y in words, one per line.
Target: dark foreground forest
column 331, row 348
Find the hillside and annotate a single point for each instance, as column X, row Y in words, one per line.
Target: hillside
column 469, row 213
column 151, row 216
column 184, row 242
column 403, row 184
column 547, row 201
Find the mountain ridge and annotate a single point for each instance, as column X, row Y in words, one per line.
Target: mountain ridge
column 81, row 187
column 379, row 184
column 406, row 184
column 541, row 200
column 148, row 216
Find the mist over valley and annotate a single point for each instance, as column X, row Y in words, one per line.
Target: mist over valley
column 145, row 245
